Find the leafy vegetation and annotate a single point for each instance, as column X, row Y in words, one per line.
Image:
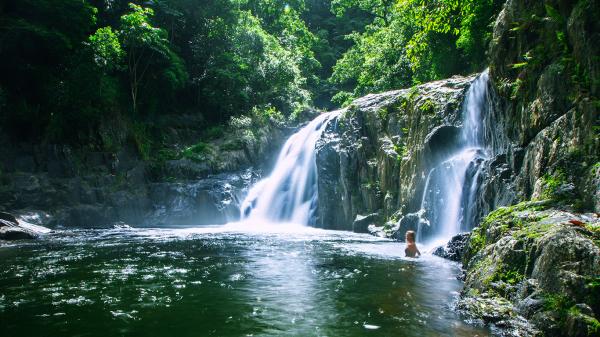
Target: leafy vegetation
column 413, row 41
column 71, row 66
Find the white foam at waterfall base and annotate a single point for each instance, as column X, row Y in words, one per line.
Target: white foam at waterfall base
column 447, row 202
column 289, row 195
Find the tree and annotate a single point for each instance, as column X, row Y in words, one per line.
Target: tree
column 146, row 47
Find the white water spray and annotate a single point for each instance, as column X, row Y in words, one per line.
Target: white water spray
column 289, row 194
column 450, row 189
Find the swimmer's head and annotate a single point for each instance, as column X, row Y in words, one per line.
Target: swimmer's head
column 410, row 236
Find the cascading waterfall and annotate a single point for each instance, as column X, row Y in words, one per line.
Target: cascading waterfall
column 447, row 207
column 289, row 194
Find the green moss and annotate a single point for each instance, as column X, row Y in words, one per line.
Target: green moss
column 506, row 219
column 557, row 303
column 165, row 154
column 413, row 93
column 197, row 152
column 140, row 136
column 401, row 150
column 384, row 114
column 593, row 326
column 593, row 286
column 511, row 277
column 552, row 183
column 477, row 241
column 517, row 87
column 533, row 230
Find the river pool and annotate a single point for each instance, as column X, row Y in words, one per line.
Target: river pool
column 225, row 281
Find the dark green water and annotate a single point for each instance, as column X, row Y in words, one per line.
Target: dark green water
column 211, row 282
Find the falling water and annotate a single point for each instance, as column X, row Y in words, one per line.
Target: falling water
column 289, row 194
column 451, row 187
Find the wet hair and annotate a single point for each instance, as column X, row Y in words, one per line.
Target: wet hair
column 410, row 234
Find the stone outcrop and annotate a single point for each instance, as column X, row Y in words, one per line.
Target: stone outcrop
column 544, row 124
column 536, row 263
column 373, row 157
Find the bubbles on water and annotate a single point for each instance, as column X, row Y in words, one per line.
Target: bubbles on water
column 123, row 315
column 236, row 277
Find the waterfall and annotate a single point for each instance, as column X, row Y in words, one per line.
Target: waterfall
column 447, row 206
column 289, row 194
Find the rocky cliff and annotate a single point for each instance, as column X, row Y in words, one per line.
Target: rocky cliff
column 539, row 260
column 59, row 185
column 374, row 158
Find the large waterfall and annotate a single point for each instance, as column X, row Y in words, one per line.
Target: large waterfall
column 289, row 194
column 447, row 207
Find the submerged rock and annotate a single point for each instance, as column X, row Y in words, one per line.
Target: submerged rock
column 454, row 249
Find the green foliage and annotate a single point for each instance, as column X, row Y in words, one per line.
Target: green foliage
column 106, row 48
column 343, row 98
column 148, row 50
column 70, row 69
column 413, row 41
column 563, row 308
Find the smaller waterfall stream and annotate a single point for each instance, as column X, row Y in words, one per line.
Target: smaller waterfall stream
column 289, row 194
column 451, row 187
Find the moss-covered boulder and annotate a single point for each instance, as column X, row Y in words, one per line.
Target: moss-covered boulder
column 541, row 264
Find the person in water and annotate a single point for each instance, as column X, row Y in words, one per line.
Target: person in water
column 411, row 247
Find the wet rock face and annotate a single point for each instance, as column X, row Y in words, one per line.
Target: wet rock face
column 454, row 249
column 213, row 200
column 373, row 157
column 361, row 223
column 542, row 262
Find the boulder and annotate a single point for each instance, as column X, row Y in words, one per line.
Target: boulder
column 8, row 218
column 542, row 262
column 362, row 222
column 16, row 233
column 454, row 249
column 409, row 222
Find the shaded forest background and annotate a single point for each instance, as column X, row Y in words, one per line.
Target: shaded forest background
column 69, row 66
